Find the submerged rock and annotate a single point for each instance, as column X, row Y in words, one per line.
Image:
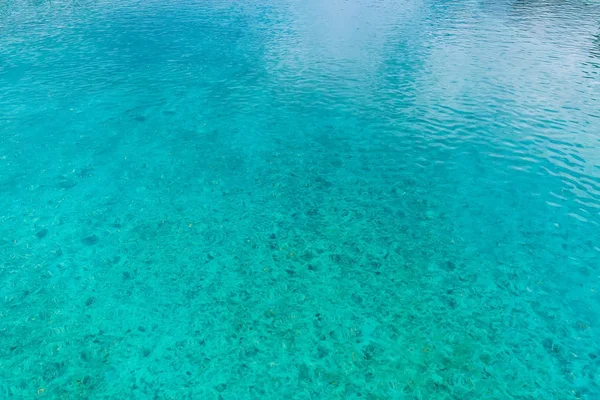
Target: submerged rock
column 90, row 240
column 42, row 233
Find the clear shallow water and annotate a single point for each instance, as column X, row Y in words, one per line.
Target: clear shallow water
column 344, row 199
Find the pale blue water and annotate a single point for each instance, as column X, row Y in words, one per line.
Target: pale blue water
column 367, row 199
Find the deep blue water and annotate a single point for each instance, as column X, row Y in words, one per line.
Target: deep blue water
column 367, row 199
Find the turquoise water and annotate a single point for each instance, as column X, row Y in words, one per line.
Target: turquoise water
column 367, row 199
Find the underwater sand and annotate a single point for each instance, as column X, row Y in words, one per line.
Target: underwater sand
column 365, row 199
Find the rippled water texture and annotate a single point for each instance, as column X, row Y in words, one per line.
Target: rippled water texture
column 372, row 199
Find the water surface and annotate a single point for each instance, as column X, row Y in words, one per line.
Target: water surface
column 368, row 199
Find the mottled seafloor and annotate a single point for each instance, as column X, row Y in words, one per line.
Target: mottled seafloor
column 285, row 199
